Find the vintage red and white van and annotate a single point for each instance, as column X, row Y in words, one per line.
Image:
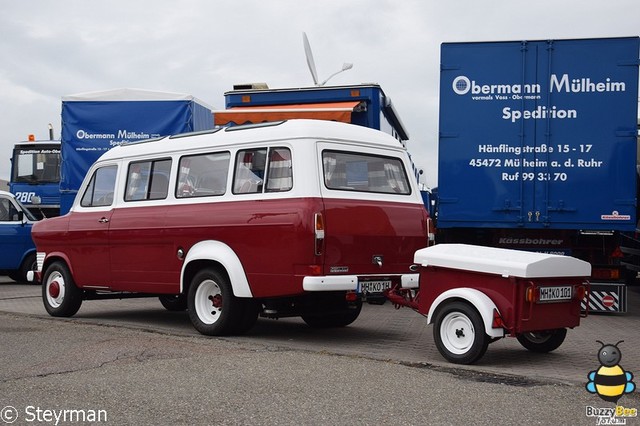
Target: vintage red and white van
column 299, row 218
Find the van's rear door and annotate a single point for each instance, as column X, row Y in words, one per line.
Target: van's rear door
column 374, row 219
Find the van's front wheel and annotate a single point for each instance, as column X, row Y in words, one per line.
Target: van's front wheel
column 60, row 295
column 213, row 309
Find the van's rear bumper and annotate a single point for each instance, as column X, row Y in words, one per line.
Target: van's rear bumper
column 350, row 282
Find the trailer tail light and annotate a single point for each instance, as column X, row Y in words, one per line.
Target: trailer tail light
column 318, row 229
column 580, row 292
column 532, row 294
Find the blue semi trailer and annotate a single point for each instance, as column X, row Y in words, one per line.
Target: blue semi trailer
column 538, row 151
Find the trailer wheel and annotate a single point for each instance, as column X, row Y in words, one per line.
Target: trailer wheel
column 459, row 334
column 543, row 341
column 213, row 309
column 60, row 295
column 174, row 302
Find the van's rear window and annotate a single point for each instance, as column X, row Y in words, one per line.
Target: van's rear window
column 350, row 171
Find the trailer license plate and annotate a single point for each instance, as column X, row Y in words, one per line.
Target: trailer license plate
column 555, row 294
column 373, row 286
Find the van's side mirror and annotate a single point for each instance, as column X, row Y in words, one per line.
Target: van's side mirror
column 21, row 217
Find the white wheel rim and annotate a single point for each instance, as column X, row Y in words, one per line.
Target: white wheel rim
column 457, row 333
column 55, row 278
column 208, row 302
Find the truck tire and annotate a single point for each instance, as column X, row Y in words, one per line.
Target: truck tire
column 543, row 341
column 60, row 295
column 174, row 303
column 213, row 309
column 459, row 333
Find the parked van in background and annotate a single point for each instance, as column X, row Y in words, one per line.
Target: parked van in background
column 299, row 218
column 17, row 248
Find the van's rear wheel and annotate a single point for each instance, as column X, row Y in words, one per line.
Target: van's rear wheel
column 213, row 309
column 60, row 295
column 459, row 333
column 543, row 341
column 338, row 314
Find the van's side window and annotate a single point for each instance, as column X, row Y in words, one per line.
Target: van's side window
column 203, row 175
column 249, row 177
column 351, row 171
column 279, row 174
column 148, row 180
column 100, row 190
column 249, row 173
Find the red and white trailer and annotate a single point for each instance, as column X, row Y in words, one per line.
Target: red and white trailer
column 475, row 295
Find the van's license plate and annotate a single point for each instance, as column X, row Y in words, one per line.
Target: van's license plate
column 373, row 286
column 555, row 294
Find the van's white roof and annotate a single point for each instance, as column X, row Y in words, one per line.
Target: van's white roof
column 288, row 130
column 504, row 262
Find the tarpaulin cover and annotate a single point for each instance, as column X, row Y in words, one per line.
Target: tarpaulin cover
column 334, row 111
column 93, row 123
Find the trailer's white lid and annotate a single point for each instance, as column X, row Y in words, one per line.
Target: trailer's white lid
column 504, row 262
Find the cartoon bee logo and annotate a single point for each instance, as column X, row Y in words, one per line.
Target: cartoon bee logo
column 610, row 381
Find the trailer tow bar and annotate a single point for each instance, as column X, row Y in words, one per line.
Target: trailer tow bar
column 402, row 297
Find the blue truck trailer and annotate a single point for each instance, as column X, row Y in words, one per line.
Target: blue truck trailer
column 95, row 122
column 538, row 151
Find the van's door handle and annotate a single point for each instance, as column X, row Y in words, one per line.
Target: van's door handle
column 103, row 220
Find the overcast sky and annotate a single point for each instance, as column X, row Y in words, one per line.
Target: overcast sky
column 50, row 49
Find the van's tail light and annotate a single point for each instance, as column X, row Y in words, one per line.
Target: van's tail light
column 318, row 227
column 497, row 320
column 431, row 232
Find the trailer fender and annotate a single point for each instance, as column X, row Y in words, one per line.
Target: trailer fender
column 221, row 253
column 478, row 299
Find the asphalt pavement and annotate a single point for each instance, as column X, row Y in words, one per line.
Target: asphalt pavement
column 390, row 352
